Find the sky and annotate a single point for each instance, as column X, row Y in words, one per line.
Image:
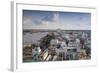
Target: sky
column 33, row 19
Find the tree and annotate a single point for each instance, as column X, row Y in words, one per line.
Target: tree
column 45, row 42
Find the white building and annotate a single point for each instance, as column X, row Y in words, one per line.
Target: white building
column 36, row 51
column 54, row 42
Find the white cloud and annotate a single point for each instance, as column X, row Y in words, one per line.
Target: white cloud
column 29, row 23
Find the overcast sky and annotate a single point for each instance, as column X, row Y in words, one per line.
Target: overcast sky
column 52, row 20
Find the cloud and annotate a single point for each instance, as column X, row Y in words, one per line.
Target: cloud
column 47, row 18
column 29, row 21
column 51, row 22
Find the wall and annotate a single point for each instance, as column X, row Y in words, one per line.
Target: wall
column 5, row 36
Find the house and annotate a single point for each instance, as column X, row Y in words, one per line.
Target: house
column 35, row 53
column 54, row 42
